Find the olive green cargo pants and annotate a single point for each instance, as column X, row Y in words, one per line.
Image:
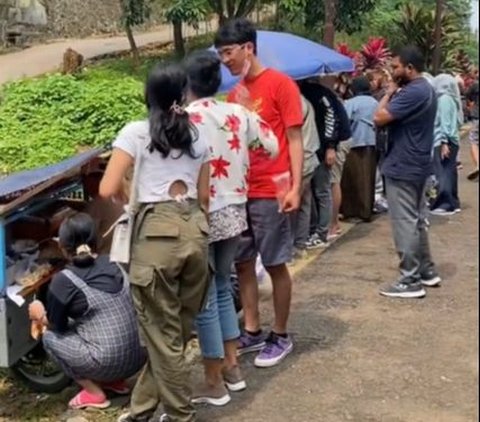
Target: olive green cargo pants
column 169, row 278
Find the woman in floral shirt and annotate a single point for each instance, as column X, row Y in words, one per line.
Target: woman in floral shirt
column 231, row 131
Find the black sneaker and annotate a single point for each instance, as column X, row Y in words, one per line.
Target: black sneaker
column 403, row 290
column 431, row 279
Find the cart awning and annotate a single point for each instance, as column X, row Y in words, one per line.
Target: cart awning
column 17, row 184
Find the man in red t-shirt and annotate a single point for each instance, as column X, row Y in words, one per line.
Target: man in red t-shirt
column 276, row 98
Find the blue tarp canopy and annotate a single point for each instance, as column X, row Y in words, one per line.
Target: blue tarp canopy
column 26, row 180
column 298, row 57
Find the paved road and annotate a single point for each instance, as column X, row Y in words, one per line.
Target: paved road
column 45, row 58
column 363, row 358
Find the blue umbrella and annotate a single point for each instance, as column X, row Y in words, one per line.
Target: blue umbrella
column 298, row 57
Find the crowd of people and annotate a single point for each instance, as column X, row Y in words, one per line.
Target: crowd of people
column 268, row 172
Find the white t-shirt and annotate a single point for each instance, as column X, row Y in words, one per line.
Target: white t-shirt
column 156, row 173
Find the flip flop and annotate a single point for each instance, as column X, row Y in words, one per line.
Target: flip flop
column 84, row 399
column 473, row 175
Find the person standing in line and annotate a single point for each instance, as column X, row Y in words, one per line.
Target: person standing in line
column 472, row 103
column 168, row 269
column 448, row 120
column 330, row 128
column 276, row 98
column 358, row 181
column 408, row 109
column 301, row 219
column 231, row 131
column 336, row 172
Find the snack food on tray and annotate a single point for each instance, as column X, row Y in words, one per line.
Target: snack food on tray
column 32, row 277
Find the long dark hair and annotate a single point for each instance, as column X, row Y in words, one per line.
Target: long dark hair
column 78, row 237
column 170, row 127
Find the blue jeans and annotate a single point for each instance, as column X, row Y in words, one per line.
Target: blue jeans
column 322, row 201
column 218, row 321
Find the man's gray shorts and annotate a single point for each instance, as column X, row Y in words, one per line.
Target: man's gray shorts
column 268, row 233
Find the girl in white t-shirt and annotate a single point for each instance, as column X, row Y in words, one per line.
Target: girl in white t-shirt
column 169, row 262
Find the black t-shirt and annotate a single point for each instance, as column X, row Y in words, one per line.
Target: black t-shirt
column 65, row 300
column 330, row 115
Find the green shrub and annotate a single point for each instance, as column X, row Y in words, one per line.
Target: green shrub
column 45, row 120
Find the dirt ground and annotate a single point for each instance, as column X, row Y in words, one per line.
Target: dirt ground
column 358, row 357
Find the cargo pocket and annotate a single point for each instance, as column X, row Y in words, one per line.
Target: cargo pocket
column 143, row 285
column 154, row 229
column 202, row 224
column 141, row 275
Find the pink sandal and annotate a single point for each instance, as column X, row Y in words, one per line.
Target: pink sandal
column 118, row 387
column 85, row 399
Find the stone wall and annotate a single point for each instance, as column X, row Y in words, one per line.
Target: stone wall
column 82, row 18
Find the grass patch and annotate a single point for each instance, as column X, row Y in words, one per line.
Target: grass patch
column 47, row 119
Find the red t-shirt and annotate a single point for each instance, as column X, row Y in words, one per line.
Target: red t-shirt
column 276, row 98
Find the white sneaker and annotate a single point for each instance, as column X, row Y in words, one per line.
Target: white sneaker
column 441, row 212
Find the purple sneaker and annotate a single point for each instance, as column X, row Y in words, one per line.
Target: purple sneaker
column 277, row 348
column 248, row 343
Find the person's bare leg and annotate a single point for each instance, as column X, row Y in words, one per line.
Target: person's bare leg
column 474, row 154
column 282, row 296
column 213, row 372
column 247, row 280
column 230, row 348
column 90, row 386
column 336, row 203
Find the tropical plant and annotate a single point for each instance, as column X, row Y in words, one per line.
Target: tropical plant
column 343, row 48
column 416, row 26
column 375, row 54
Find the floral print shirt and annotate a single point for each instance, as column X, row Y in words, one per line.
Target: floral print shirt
column 231, row 131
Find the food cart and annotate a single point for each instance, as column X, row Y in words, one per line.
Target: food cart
column 32, row 206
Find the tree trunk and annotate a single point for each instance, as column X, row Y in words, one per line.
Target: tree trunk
column 178, row 40
column 133, row 45
column 221, row 20
column 277, row 14
column 330, row 16
column 437, row 53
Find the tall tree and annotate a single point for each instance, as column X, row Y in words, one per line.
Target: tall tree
column 231, row 9
column 330, row 17
column 190, row 12
column 312, row 14
column 134, row 12
column 437, row 52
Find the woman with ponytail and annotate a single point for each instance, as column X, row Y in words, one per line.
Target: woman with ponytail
column 89, row 325
column 169, row 256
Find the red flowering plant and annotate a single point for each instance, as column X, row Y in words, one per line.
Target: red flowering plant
column 373, row 55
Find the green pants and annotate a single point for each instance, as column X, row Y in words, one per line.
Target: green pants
column 169, row 276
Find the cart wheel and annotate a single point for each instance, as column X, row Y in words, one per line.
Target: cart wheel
column 40, row 373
